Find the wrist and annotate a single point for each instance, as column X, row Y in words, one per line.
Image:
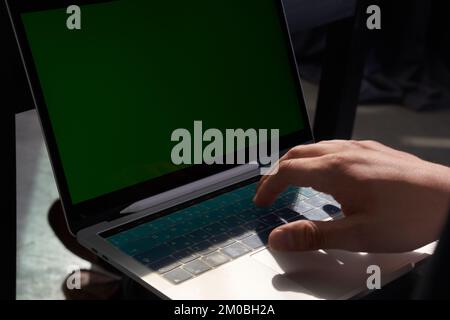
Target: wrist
column 438, row 177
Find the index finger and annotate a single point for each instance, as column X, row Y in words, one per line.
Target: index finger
column 304, row 172
column 306, row 151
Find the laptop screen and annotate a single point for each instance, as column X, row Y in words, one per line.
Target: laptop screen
column 117, row 88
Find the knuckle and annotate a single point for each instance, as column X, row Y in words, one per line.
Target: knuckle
column 292, row 153
column 336, row 161
column 371, row 143
column 356, row 143
column 285, row 165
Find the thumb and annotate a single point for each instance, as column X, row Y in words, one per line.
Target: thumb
column 307, row 235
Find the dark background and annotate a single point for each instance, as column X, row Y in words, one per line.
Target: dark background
column 408, row 60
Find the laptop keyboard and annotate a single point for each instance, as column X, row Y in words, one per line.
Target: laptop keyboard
column 199, row 238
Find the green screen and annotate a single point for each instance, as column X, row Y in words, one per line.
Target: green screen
column 137, row 70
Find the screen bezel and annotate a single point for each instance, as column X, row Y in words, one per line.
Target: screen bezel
column 107, row 207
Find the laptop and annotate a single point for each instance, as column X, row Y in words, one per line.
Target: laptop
column 112, row 80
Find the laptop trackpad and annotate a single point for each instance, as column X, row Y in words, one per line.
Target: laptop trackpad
column 331, row 274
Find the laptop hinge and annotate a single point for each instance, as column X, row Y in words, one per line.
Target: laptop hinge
column 195, row 189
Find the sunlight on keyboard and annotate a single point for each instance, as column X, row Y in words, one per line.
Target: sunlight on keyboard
column 199, row 238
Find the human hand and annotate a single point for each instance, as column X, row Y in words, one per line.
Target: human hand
column 392, row 200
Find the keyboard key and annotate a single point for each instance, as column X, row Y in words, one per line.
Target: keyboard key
column 177, row 276
column 248, row 191
column 259, row 212
column 198, row 235
column 231, row 196
column 223, row 200
column 236, row 231
column 218, row 214
column 184, row 229
column 235, row 250
column 200, row 222
column 332, row 210
column 291, row 189
column 196, row 267
column 308, row 192
column 286, row 213
column 190, row 225
column 239, row 233
column 297, row 218
column 280, row 203
column 316, row 201
column 248, row 215
column 244, row 235
column 207, row 250
column 179, row 243
column 232, row 222
column 203, row 248
column 222, row 240
column 215, row 259
column 272, row 220
column 176, row 218
column 185, row 255
column 165, row 237
column 160, row 224
column 327, row 197
column 302, row 207
column 240, row 204
column 253, row 242
column 153, row 254
column 173, row 231
column 255, row 225
column 316, row 214
column 164, row 265
column 215, row 228
column 264, row 235
column 296, row 196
